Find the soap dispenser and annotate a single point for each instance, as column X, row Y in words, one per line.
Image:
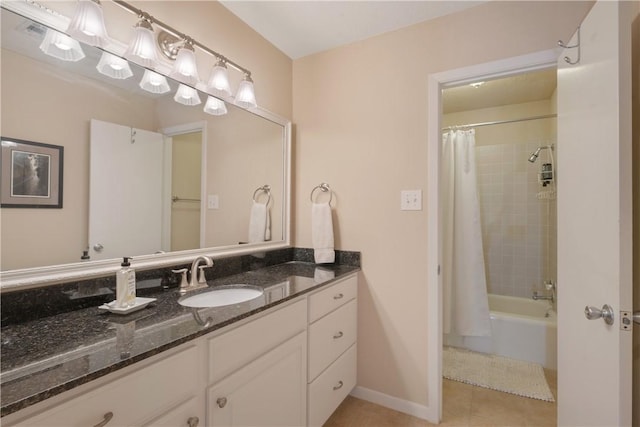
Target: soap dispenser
column 125, row 285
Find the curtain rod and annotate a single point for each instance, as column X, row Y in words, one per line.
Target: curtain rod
column 500, row 122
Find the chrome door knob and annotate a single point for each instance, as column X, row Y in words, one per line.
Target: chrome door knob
column 98, row 247
column 606, row 313
column 636, row 317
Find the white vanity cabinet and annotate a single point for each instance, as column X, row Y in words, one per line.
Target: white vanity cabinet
column 135, row 399
column 258, row 371
column 291, row 365
column 332, row 348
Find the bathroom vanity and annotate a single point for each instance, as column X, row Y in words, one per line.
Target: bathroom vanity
column 288, row 358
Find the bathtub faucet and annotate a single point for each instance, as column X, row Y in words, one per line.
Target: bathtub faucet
column 550, row 286
column 543, row 297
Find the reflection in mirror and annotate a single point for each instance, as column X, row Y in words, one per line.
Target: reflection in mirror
column 136, row 163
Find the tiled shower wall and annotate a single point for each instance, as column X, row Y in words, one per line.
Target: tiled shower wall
column 518, row 223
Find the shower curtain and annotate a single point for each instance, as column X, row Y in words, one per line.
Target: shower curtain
column 466, row 304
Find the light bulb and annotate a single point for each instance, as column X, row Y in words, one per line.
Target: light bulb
column 246, row 97
column 114, row 66
column 61, row 46
column 219, row 79
column 154, row 82
column 87, row 24
column 215, row 106
column 185, row 69
column 186, row 95
column 142, row 48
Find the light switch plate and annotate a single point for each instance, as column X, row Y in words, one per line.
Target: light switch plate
column 411, row 200
column 212, row 201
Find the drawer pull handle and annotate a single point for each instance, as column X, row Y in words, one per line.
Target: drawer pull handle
column 339, row 386
column 222, row 402
column 338, row 296
column 338, row 335
column 107, row 417
column 193, row 421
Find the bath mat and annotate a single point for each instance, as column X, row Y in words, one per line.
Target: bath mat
column 496, row 372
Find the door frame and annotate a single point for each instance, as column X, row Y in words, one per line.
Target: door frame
column 436, row 82
column 169, row 133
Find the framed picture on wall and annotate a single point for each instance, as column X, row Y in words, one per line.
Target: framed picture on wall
column 31, row 174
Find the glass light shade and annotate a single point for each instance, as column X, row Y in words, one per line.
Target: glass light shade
column 185, row 69
column 154, row 82
column 219, row 79
column 142, row 47
column 61, row 46
column 246, row 97
column 186, row 95
column 215, row 106
column 87, row 24
column 114, row 66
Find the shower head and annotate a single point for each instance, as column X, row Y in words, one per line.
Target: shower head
column 534, row 156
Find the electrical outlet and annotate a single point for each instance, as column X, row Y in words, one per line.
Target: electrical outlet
column 411, row 200
column 212, row 201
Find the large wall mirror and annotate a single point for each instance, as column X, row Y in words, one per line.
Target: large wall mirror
column 143, row 175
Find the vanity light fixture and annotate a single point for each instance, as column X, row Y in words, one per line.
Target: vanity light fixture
column 246, row 97
column 170, row 39
column 142, row 48
column 184, row 68
column 187, row 95
column 219, row 79
column 114, row 66
column 154, row 82
column 87, row 24
column 61, row 46
column 215, row 106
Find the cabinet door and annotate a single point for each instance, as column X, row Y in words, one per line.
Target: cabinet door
column 187, row 414
column 270, row 391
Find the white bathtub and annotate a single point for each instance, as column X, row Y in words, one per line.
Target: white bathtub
column 521, row 329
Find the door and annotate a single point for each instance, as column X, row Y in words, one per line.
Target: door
column 186, row 161
column 595, row 219
column 125, row 207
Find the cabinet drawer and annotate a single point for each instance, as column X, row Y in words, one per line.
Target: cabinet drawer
column 134, row 399
column 331, row 387
column 330, row 336
column 331, row 298
column 236, row 348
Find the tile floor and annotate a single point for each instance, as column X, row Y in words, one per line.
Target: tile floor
column 463, row 405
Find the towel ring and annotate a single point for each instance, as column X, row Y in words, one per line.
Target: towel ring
column 266, row 189
column 324, row 187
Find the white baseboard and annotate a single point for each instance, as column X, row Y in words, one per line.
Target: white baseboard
column 397, row 404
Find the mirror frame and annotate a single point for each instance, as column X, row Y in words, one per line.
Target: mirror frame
column 28, row 278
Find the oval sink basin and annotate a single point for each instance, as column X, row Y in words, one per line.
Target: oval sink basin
column 221, row 296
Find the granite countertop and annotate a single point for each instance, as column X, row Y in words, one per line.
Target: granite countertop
column 45, row 357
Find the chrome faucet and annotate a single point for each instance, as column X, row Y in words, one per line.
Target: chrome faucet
column 197, row 278
column 549, row 286
column 542, row 297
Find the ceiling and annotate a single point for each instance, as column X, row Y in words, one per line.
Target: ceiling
column 518, row 89
column 301, row 28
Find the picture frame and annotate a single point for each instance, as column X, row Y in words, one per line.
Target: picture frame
column 30, row 174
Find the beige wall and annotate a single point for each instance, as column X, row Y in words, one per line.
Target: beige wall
column 360, row 115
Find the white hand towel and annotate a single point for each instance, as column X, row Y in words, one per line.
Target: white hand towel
column 257, row 222
column 322, row 233
column 321, row 275
column 267, row 232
